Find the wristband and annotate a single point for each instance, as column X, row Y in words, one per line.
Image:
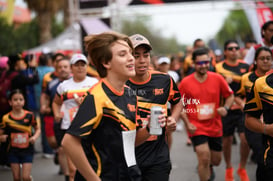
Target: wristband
column 264, row 128
column 226, row 108
column 148, row 129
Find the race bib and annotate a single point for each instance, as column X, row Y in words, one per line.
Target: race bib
column 19, row 140
column 128, row 138
column 205, row 111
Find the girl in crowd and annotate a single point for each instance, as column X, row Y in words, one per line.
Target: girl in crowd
column 21, row 130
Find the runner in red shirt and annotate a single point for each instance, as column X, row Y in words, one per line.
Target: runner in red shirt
column 201, row 96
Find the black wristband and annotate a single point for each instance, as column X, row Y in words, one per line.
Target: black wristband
column 148, row 129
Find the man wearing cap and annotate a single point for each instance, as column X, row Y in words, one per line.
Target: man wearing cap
column 164, row 64
column 68, row 97
column 153, row 88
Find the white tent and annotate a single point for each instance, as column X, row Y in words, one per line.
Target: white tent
column 71, row 39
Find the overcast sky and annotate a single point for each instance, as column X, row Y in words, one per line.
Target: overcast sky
column 186, row 21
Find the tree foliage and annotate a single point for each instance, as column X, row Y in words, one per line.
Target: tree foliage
column 17, row 39
column 235, row 26
column 45, row 11
column 142, row 25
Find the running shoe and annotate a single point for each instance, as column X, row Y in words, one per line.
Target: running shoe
column 229, row 174
column 242, row 174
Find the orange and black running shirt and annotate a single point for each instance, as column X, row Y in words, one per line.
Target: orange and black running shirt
column 260, row 101
column 19, row 130
column 156, row 91
column 48, row 77
column 233, row 73
column 102, row 117
column 247, row 82
column 92, row 72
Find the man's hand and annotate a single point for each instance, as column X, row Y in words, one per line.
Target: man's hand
column 171, row 124
column 191, row 128
column 222, row 111
column 45, row 109
column 58, row 117
column 32, row 140
column 3, row 138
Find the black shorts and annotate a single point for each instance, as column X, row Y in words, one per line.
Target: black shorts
column 156, row 172
column 265, row 173
column 59, row 133
column 255, row 142
column 215, row 143
column 234, row 119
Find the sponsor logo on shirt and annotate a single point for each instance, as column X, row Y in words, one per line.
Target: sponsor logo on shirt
column 158, row 92
column 189, row 101
column 242, row 70
column 131, row 107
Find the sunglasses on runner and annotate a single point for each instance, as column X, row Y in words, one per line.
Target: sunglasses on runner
column 231, row 48
column 202, row 62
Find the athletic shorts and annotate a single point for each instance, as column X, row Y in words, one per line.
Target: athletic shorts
column 156, row 172
column 49, row 124
column 255, row 142
column 234, row 119
column 215, row 143
column 266, row 174
column 20, row 158
column 59, row 133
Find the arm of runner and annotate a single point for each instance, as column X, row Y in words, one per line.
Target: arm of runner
column 171, row 124
column 3, row 137
column 37, row 133
column 240, row 102
column 142, row 135
column 56, row 107
column 190, row 127
column 45, row 104
column 175, row 114
column 256, row 125
column 228, row 103
column 72, row 146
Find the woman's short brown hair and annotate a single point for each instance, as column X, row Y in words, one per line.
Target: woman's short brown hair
column 99, row 46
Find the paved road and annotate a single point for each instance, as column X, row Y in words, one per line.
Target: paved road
column 183, row 159
column 185, row 162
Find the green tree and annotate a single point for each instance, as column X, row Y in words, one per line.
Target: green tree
column 45, row 12
column 6, row 37
column 235, row 26
column 26, row 36
column 142, row 25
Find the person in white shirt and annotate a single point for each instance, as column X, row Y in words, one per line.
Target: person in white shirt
column 267, row 34
column 68, row 98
